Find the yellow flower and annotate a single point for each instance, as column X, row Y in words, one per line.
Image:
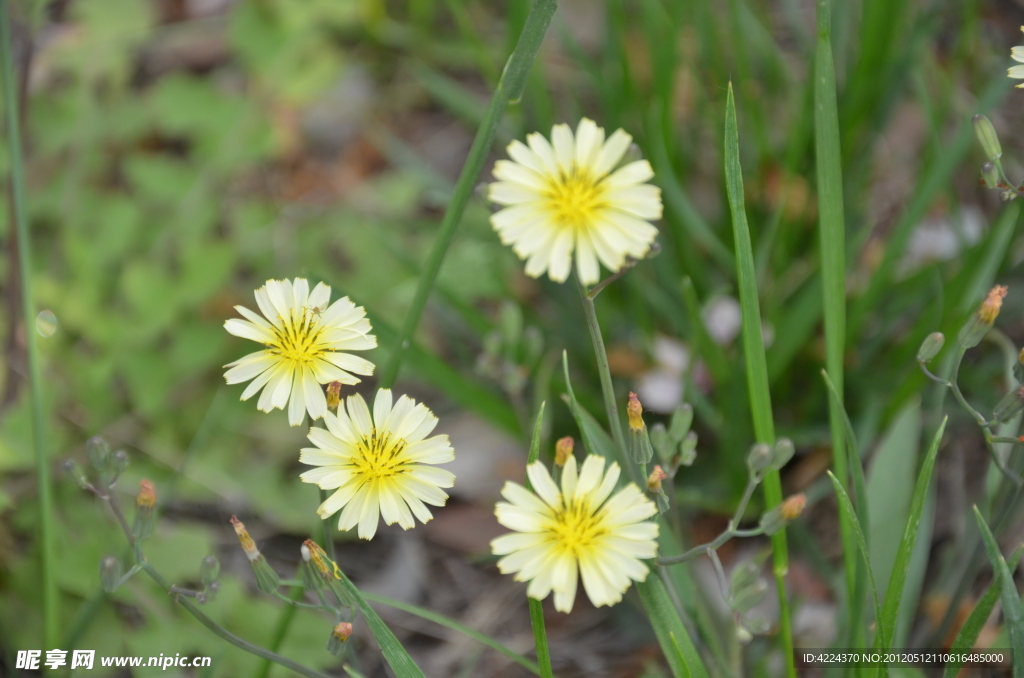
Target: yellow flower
column 306, row 337
column 1017, row 54
column 378, row 464
column 558, row 534
column 562, row 196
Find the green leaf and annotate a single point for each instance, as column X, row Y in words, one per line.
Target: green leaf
column 1012, row 613
column 971, row 629
column 895, row 587
column 595, row 439
column 675, row 642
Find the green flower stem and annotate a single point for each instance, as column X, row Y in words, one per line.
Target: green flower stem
column 50, row 626
column 510, row 88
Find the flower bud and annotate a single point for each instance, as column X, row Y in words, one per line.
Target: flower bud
column 333, row 395
column 688, row 450
column 118, row 463
column 266, row 578
column 327, row 570
column 749, row 596
column 75, row 472
column 212, row 589
column 930, row 347
column 759, row 458
column 312, row 580
column 654, row 480
column 1011, row 405
column 99, row 453
column 990, row 174
column 338, row 642
column 661, row 443
column 680, row 424
column 144, row 508
column 975, row 329
column 793, row 507
column 743, row 636
column 634, row 409
column 783, row 514
column 744, row 575
column 110, row 573
column 563, row 450
column 987, row 137
column 782, row 453
column 209, row 570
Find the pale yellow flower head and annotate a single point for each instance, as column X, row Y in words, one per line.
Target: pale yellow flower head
column 306, row 339
column 579, row 530
column 379, row 464
column 566, row 197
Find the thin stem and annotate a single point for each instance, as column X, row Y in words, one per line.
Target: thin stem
column 937, row 379
column 960, row 396
column 596, row 289
column 510, row 88
column 50, row 621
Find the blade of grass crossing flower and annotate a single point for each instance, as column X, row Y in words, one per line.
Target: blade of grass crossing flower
column 510, row 88
column 971, row 629
column 441, row 620
column 540, row 636
column 682, row 656
column 395, row 655
column 846, row 507
column 595, row 439
column 757, row 367
column 1012, row 614
column 24, row 254
column 894, row 591
column 832, row 237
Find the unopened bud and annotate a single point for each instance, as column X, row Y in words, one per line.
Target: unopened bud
column 209, row 570
column 99, row 453
column 930, row 347
column 266, row 578
column 1011, row 405
column 144, row 509
column 782, row 453
column 682, row 419
column 783, row 514
column 338, row 642
column 749, row 596
column 743, row 575
column 990, row 174
column 333, row 395
column 981, row 322
column 110, row 573
column 563, row 450
column 212, row 589
column 635, row 411
column 661, row 443
column 75, row 472
column 688, row 450
column 793, row 507
column 759, row 458
column 743, row 636
column 327, row 570
column 987, row 137
column 654, row 480
column 118, row 463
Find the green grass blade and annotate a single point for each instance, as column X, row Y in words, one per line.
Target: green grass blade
column 540, row 636
column 24, row 255
column 894, row 590
column 682, row 656
column 757, row 366
column 595, row 439
column 441, row 620
column 1012, row 614
column 510, row 88
column 971, row 629
column 397, row 658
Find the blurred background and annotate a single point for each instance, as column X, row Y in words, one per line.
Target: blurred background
column 182, row 152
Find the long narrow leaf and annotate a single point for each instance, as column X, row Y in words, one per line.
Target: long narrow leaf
column 757, row 365
column 1012, row 613
column 675, row 642
column 540, row 636
column 894, row 590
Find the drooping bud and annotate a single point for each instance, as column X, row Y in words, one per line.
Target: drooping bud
column 987, row 137
column 333, row 395
column 110, row 573
column 783, row 514
column 338, row 642
column 99, row 453
column 654, row 480
column 75, row 472
column 981, row 322
column 209, row 570
column 635, row 411
column 145, row 503
column 118, row 463
column 563, row 450
column 759, row 458
column 990, row 174
column 1011, row 405
column 266, row 578
column 930, row 347
column 782, row 453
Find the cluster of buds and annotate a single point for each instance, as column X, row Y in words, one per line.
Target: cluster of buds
column 108, row 466
column 209, row 570
column 266, row 578
column 676, row 445
column 763, row 458
column 511, row 351
column 747, row 588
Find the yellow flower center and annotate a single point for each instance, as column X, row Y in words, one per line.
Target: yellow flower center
column 575, row 199
column 298, row 341
column 380, row 456
column 577, row 526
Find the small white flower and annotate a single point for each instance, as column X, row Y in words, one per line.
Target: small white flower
column 563, row 197
column 305, row 337
column 379, row 464
column 578, row 531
